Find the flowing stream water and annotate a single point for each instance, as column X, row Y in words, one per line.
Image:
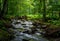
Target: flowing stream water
column 21, row 28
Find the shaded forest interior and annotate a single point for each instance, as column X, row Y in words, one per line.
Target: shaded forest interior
column 42, row 12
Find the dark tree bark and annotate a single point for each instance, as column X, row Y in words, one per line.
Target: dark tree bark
column 59, row 15
column 4, row 8
column 44, row 10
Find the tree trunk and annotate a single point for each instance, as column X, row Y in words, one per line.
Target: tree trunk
column 59, row 15
column 44, row 10
column 4, row 8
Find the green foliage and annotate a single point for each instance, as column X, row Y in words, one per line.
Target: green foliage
column 1, row 23
column 55, row 22
column 3, row 34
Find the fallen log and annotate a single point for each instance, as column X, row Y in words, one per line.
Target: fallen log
column 51, row 30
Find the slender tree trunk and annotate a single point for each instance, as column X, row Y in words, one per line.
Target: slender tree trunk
column 52, row 12
column 59, row 15
column 44, row 10
column 4, row 8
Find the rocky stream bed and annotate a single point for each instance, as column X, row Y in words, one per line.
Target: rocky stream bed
column 24, row 31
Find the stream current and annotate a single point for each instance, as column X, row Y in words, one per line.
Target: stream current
column 21, row 29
